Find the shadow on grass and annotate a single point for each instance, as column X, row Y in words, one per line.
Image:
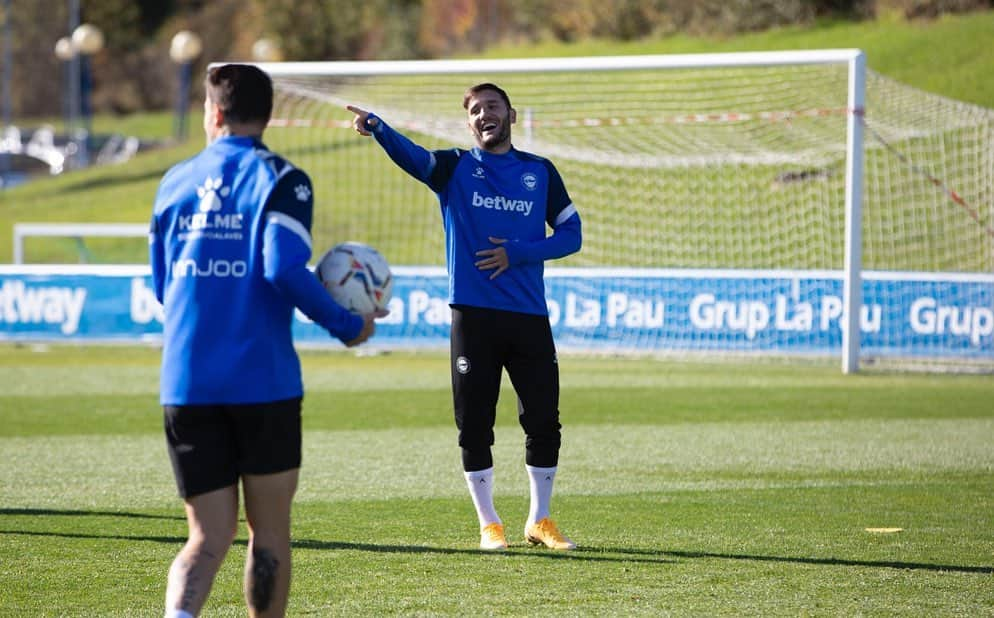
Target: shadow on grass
column 86, row 513
column 522, row 551
column 583, row 553
column 111, row 180
column 889, row 564
column 178, row 540
column 115, row 178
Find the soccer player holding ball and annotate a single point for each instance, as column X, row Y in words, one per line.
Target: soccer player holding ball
column 496, row 204
column 228, row 245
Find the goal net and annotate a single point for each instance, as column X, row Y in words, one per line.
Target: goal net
column 732, row 203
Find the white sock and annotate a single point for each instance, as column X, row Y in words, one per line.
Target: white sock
column 178, row 613
column 540, row 481
column 481, row 488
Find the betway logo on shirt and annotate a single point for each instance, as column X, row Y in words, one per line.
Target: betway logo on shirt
column 502, row 203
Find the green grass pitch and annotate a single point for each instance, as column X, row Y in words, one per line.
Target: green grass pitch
column 692, row 488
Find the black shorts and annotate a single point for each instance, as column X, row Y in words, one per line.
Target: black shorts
column 211, row 446
column 483, row 343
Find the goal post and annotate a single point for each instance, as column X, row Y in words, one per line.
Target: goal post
column 724, row 196
column 852, row 297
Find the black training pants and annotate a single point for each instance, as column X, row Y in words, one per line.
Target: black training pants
column 483, row 343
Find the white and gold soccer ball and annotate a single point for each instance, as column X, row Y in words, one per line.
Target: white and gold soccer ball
column 357, row 276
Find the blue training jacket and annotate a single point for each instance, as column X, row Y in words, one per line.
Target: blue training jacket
column 514, row 196
column 229, row 243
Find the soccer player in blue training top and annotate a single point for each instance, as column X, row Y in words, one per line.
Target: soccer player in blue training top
column 228, row 245
column 496, row 203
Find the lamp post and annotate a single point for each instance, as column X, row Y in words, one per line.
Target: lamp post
column 8, row 65
column 65, row 53
column 84, row 41
column 184, row 49
column 87, row 40
column 266, row 50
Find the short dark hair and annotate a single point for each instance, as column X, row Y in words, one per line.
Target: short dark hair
column 243, row 92
column 475, row 90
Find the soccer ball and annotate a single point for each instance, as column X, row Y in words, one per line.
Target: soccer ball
column 357, row 276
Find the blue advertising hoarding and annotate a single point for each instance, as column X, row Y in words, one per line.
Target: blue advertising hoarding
column 903, row 314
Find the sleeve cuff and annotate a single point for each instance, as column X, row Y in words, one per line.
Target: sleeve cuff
column 373, row 128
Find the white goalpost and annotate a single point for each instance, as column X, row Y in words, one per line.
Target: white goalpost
column 732, row 203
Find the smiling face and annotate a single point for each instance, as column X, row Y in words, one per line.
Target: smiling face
column 490, row 118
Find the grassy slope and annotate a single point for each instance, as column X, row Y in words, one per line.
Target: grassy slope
column 951, row 56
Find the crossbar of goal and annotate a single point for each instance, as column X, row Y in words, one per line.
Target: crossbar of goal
column 559, row 65
column 74, row 230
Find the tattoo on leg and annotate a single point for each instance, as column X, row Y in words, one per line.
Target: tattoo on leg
column 190, row 578
column 264, row 567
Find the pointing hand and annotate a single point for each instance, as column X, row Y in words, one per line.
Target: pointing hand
column 359, row 122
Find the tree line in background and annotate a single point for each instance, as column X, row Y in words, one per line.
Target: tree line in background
column 133, row 72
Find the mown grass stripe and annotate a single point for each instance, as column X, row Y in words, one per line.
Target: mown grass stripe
column 118, row 471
